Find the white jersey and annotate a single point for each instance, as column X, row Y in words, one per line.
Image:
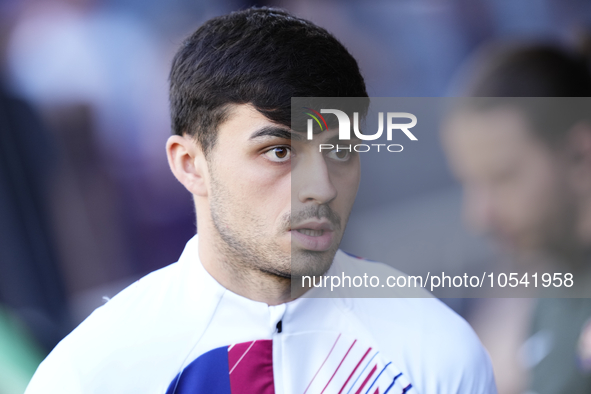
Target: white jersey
column 178, row 331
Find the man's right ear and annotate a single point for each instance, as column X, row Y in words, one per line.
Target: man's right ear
column 187, row 162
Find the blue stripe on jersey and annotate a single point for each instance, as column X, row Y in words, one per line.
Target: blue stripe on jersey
column 361, row 373
column 377, row 377
column 207, row 374
column 393, row 381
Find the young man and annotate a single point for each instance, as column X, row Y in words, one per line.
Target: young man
column 522, row 150
column 223, row 319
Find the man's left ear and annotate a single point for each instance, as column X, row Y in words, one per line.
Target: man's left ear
column 187, row 162
column 578, row 148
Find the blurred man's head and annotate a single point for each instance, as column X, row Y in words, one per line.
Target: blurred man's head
column 524, row 159
column 231, row 86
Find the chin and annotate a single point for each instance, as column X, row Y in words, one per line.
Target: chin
column 312, row 263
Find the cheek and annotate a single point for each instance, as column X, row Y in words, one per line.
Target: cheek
column 346, row 182
column 349, row 187
column 261, row 193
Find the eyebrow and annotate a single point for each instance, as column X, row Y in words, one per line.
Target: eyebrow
column 274, row 131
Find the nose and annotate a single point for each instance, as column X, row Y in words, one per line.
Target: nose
column 312, row 182
column 479, row 209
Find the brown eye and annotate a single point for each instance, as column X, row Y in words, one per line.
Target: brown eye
column 279, row 154
column 339, row 154
column 342, row 154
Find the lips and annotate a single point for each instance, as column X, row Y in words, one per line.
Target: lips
column 316, row 236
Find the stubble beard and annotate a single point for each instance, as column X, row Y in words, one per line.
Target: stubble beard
column 242, row 241
column 250, row 248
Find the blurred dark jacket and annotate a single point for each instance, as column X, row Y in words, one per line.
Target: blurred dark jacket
column 30, row 283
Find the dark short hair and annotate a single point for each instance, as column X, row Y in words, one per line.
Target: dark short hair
column 531, row 70
column 262, row 56
column 525, row 76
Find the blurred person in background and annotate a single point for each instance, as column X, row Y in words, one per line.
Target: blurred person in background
column 33, row 310
column 525, row 166
column 97, row 73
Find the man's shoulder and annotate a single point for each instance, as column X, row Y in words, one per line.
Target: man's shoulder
column 441, row 350
column 160, row 314
column 156, row 292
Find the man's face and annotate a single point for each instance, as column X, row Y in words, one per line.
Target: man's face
column 275, row 200
column 515, row 186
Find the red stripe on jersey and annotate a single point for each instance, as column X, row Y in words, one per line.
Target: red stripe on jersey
column 367, row 378
column 354, row 369
column 251, row 367
column 335, row 372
